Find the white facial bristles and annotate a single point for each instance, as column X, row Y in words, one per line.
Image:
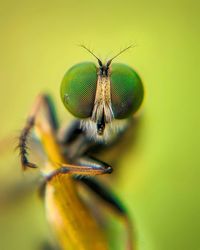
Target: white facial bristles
column 111, row 130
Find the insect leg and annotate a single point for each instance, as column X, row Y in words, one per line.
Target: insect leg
column 68, row 134
column 86, row 166
column 36, row 117
column 111, row 200
column 75, row 140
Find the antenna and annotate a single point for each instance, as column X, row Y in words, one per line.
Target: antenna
column 122, row 51
column 99, row 61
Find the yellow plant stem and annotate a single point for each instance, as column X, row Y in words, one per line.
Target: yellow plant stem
column 74, row 225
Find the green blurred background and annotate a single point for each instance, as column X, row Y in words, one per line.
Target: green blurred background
column 159, row 179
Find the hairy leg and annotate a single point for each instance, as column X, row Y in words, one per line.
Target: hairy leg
column 42, row 112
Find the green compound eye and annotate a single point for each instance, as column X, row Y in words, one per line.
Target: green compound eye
column 126, row 90
column 78, row 89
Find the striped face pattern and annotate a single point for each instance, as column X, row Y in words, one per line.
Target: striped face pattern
column 101, row 96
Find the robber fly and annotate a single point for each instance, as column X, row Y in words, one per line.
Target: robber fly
column 104, row 99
